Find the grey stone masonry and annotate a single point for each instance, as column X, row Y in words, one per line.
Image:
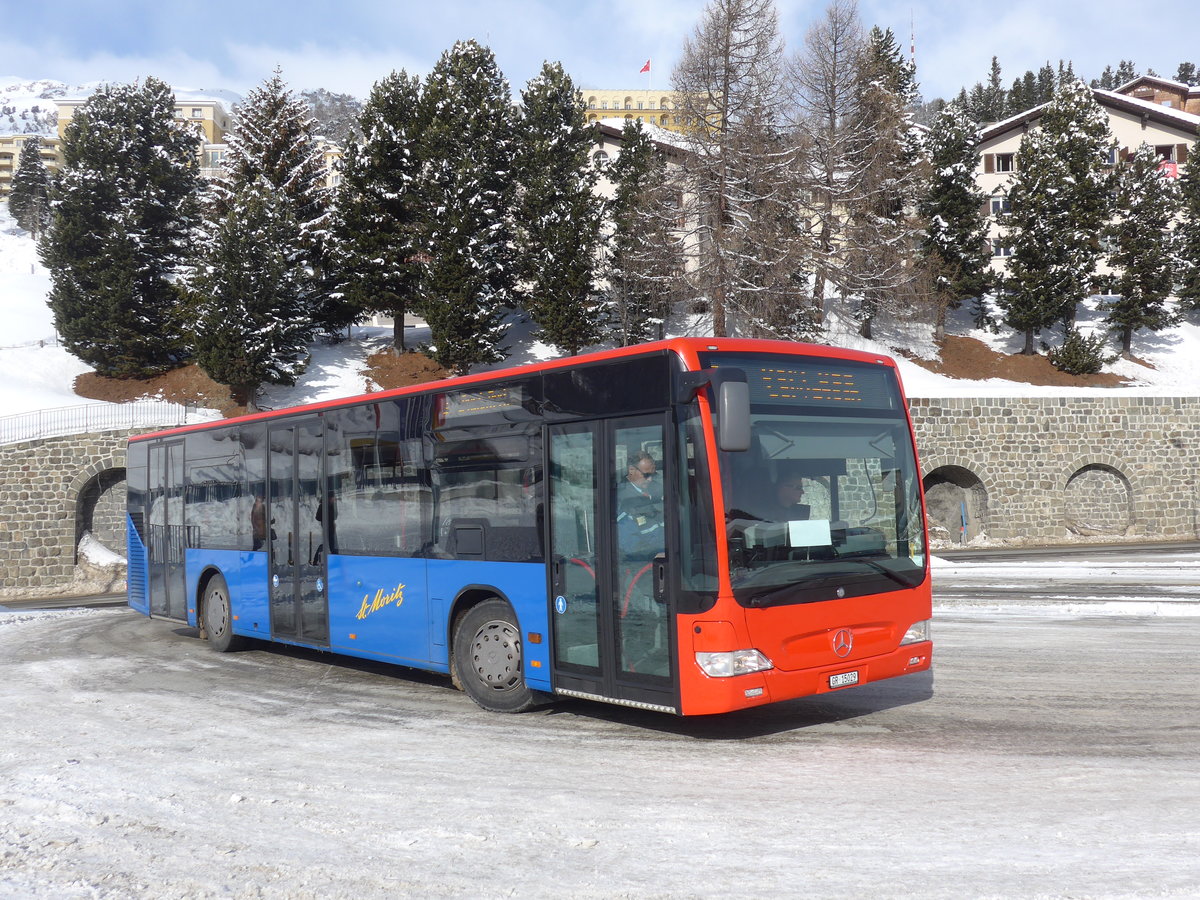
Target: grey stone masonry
column 1044, row 470
column 51, row 491
column 1029, row 470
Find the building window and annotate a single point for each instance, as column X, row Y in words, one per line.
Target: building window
column 1000, row 249
column 599, row 158
column 604, row 104
column 641, row 105
column 1165, row 152
column 1000, row 205
column 197, row 112
column 1006, row 162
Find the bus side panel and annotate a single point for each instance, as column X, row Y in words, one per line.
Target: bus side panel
column 522, row 584
column 138, row 577
column 379, row 607
column 245, row 574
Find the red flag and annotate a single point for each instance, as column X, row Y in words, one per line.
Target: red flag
column 646, row 67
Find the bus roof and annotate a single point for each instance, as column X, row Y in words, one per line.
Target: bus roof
column 687, row 349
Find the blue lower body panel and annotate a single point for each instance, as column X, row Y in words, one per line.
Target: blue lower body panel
column 393, row 609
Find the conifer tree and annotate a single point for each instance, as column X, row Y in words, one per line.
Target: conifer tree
column 557, row 212
column 887, row 173
column 955, row 241
column 994, row 96
column 1107, row 80
column 644, row 255
column 124, row 206
column 29, row 198
column 1188, row 233
column 274, row 137
column 377, row 224
column 1060, row 199
column 1126, row 72
column 467, row 177
column 1146, row 204
column 247, row 295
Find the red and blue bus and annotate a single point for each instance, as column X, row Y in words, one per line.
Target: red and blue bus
column 693, row 526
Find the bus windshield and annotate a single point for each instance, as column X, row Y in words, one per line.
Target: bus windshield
column 826, row 502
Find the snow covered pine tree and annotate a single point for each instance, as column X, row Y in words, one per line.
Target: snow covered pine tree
column 557, row 213
column 467, row 183
column 125, row 204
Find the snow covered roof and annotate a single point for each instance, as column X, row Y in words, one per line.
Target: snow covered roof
column 670, row 142
column 1164, row 115
column 1171, row 83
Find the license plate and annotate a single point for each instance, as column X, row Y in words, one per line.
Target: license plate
column 843, row 680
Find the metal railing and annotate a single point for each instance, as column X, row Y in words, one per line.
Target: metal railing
column 92, row 417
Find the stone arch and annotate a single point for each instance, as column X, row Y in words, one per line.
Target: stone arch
column 956, row 502
column 97, row 495
column 1098, row 498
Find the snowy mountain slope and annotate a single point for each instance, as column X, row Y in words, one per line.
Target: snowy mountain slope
column 27, row 107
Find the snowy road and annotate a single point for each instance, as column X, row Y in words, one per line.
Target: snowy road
column 1049, row 755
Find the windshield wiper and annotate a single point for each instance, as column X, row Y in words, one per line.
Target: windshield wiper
column 881, row 569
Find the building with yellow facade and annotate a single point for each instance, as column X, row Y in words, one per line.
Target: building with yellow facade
column 11, row 148
column 659, row 108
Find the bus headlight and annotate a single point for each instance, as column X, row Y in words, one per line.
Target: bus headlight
column 732, row 662
column 917, row 632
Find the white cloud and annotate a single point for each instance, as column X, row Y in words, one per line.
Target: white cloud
column 313, row 66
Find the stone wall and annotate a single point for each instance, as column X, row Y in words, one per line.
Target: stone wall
column 996, row 471
column 51, row 491
column 1046, row 470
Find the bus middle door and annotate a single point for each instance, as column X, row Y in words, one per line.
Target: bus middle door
column 295, row 503
column 612, row 622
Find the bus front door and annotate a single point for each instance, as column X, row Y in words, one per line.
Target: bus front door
column 612, row 618
column 166, row 536
column 295, row 538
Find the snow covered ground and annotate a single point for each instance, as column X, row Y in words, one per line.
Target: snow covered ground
column 1045, row 757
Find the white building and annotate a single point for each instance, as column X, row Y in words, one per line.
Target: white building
column 1133, row 121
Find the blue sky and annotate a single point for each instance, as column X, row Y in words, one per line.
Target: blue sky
column 347, row 45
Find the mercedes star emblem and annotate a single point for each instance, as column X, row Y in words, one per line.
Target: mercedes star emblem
column 843, row 641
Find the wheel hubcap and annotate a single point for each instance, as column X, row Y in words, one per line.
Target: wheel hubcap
column 496, row 652
column 218, row 611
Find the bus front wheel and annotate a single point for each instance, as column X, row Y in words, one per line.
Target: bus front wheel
column 487, row 658
column 218, row 616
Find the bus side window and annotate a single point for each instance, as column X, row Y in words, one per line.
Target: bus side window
column 376, row 481
column 488, row 500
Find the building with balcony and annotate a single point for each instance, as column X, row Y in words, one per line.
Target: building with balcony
column 207, row 116
column 654, row 107
column 1163, row 92
column 11, row 148
column 1133, row 120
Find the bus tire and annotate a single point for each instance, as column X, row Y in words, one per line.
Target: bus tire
column 487, row 658
column 217, row 616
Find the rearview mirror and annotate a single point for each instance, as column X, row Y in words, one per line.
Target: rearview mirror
column 733, row 410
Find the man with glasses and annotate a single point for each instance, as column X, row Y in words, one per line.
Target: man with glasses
column 640, row 539
column 640, row 509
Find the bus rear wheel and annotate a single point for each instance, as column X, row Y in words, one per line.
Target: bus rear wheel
column 487, row 658
column 217, row 616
